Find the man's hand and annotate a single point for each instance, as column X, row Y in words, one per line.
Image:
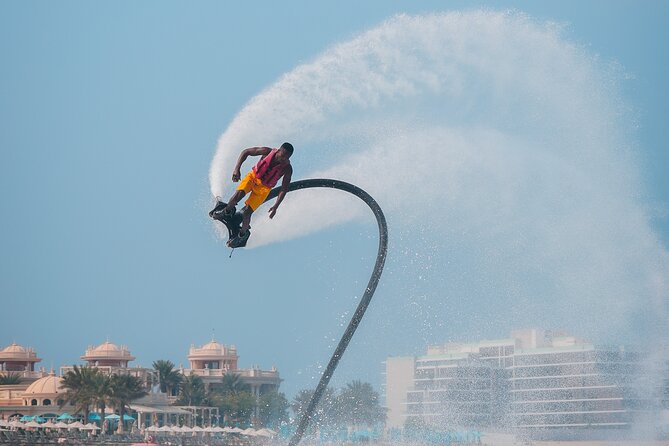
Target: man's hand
column 236, row 175
column 272, row 211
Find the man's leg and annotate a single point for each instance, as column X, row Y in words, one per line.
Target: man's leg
column 246, row 221
column 238, row 195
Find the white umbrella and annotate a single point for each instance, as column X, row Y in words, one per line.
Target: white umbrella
column 236, row 430
column 249, row 431
column 90, row 427
column 75, row 425
column 264, row 433
column 164, row 429
column 16, row 424
column 3, row 423
column 152, row 429
column 209, row 429
column 61, row 425
column 228, row 429
column 197, row 429
column 49, row 424
column 32, row 424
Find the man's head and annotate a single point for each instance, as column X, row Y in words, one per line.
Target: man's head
column 285, row 151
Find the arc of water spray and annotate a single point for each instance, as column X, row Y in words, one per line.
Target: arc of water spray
column 366, row 298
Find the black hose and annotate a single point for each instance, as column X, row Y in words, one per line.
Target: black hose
column 366, row 298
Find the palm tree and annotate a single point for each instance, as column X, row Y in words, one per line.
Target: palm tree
column 359, row 404
column 232, row 384
column 191, row 391
column 102, row 396
column 273, row 408
column 10, row 378
column 168, row 377
column 324, row 413
column 79, row 385
column 125, row 389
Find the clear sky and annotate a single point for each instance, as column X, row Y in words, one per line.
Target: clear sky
column 110, row 116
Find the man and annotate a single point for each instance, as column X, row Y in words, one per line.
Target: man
column 274, row 164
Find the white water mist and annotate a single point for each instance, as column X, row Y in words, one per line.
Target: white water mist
column 511, row 148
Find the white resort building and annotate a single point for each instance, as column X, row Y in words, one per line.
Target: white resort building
column 543, row 384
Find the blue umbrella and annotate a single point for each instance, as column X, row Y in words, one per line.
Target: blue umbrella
column 39, row 419
column 65, row 416
column 93, row 417
column 26, row 418
column 127, row 417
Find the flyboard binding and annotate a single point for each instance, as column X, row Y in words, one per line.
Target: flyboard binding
column 233, row 222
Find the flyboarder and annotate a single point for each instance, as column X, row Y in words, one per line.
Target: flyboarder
column 274, row 164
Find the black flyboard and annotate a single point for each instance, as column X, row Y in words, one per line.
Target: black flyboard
column 232, row 222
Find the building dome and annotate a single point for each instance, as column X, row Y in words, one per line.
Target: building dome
column 14, row 348
column 49, row 385
column 16, row 358
column 107, row 347
column 212, row 345
column 108, row 355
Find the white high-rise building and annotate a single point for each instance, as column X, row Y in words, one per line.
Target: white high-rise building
column 535, row 380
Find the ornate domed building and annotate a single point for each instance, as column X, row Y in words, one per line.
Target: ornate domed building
column 108, row 355
column 18, row 359
column 45, row 391
column 111, row 359
column 213, row 360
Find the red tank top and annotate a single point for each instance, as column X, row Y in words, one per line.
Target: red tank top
column 269, row 175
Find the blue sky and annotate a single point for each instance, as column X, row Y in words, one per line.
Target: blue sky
column 111, row 112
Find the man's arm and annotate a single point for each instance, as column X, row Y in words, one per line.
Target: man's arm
column 251, row 151
column 282, row 193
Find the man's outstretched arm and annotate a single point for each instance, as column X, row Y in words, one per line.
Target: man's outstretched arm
column 251, row 151
column 282, row 193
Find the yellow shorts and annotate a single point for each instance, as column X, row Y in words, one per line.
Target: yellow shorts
column 259, row 191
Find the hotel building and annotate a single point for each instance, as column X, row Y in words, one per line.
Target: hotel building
column 40, row 393
column 535, row 381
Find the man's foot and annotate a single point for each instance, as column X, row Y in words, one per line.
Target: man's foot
column 240, row 240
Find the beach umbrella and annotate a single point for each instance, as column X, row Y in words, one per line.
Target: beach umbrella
column 152, row 428
column 39, row 419
column 236, row 430
column 127, row 417
column 75, row 425
column 94, row 416
column 218, row 429
column 197, row 429
column 26, row 418
column 228, row 429
column 15, row 424
column 264, row 433
column 49, row 424
column 32, row 424
column 61, row 425
column 65, row 416
column 90, row 427
column 249, row 431
column 187, row 429
column 112, row 417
